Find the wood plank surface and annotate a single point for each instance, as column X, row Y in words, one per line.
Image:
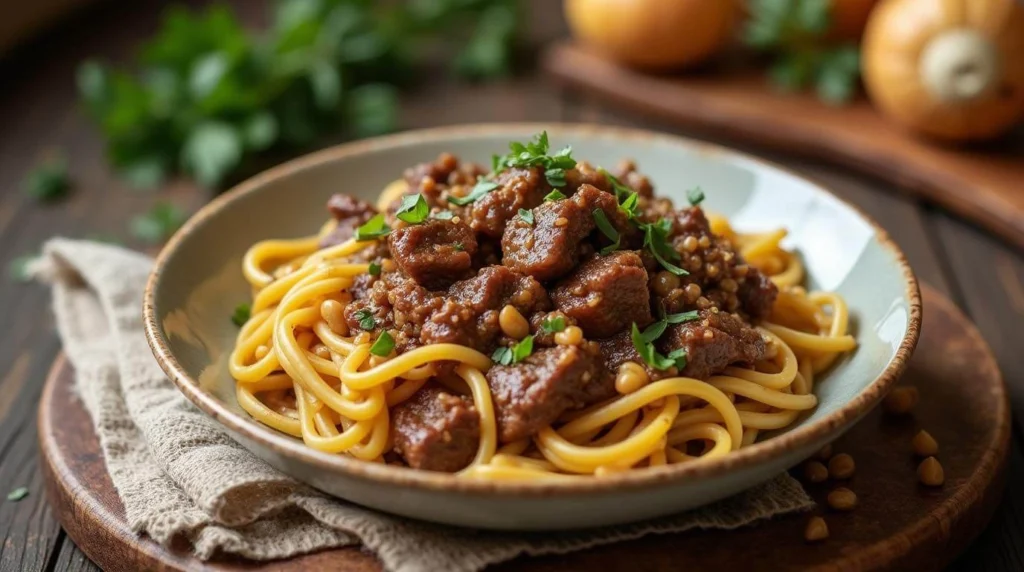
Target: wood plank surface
column 38, row 111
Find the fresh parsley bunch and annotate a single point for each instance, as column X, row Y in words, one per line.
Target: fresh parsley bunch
column 208, row 95
column 795, row 31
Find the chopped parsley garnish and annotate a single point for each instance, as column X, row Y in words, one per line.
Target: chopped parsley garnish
column 606, row 228
column 383, row 346
column 656, row 241
column 482, row 188
column 553, row 325
column 644, row 344
column 459, row 247
column 17, row 494
column 535, row 154
column 374, row 269
column 554, row 195
column 621, row 191
column 631, row 206
column 515, row 354
column 413, row 209
column 374, row 228
column 366, row 321
column 527, row 216
column 241, row 314
column 695, row 196
column 681, row 317
column 443, row 215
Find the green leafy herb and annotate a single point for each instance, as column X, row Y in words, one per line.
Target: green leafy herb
column 383, row 346
column 459, row 247
column 553, row 325
column 47, row 181
column 17, row 494
column 535, row 154
column 241, row 314
column 554, row 195
column 527, row 216
column 481, row 188
column 796, row 31
column 515, row 354
column 444, row 215
column 365, row 318
column 644, row 344
column 621, row 191
column 657, row 242
column 681, row 317
column 413, row 209
column 373, row 229
column 374, row 269
column 695, row 196
column 159, row 223
column 209, row 95
column 606, row 228
column 631, row 206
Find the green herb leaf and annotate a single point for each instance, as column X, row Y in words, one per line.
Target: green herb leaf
column 374, row 269
column 241, row 314
column 47, row 181
column 159, row 223
column 631, row 206
column 695, row 196
column 372, row 109
column 606, row 228
column 622, row 192
column 535, row 154
column 383, row 346
column 654, row 331
column 837, row 75
column 527, row 216
column 679, row 356
column 366, row 320
column 374, row 228
column 459, row 247
column 482, row 188
column 647, row 352
column 555, row 195
column 517, row 353
column 414, row 209
column 17, row 494
column 682, row 317
column 444, row 215
column 656, row 241
column 555, row 177
column 553, row 325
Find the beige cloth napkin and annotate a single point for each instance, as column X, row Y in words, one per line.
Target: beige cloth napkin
column 179, row 474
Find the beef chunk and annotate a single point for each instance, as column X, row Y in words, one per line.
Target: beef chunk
column 628, row 175
column 517, row 189
column 550, row 247
column 533, row 393
column 619, row 349
column 718, row 276
column 714, row 341
column 350, row 213
column 585, row 174
column 496, row 286
column 436, row 431
column 606, row 294
column 434, row 253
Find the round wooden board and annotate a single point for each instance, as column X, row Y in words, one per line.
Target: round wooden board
column 899, row 524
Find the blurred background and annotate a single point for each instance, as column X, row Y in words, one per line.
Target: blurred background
column 119, row 118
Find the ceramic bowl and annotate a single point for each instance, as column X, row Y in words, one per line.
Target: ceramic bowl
column 197, row 282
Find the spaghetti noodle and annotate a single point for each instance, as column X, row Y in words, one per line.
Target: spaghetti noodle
column 303, row 372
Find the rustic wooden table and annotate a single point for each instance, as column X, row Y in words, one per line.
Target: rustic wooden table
column 38, row 110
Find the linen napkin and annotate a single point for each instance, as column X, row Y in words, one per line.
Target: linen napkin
column 179, row 475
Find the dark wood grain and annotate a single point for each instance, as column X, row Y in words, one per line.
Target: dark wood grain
column 898, row 524
column 983, row 185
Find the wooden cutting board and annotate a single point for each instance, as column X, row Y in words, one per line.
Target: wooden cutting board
column 899, row 524
column 982, row 183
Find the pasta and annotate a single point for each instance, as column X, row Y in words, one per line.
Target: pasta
column 301, row 370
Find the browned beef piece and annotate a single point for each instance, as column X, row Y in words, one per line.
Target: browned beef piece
column 713, row 342
column 718, row 276
column 436, row 431
column 434, row 253
column 619, row 349
column 350, row 213
column 517, row 189
column 585, row 174
column 628, row 175
column 533, row 393
column 606, row 294
column 550, row 247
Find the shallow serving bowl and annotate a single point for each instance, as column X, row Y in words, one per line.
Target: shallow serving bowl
column 197, row 282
